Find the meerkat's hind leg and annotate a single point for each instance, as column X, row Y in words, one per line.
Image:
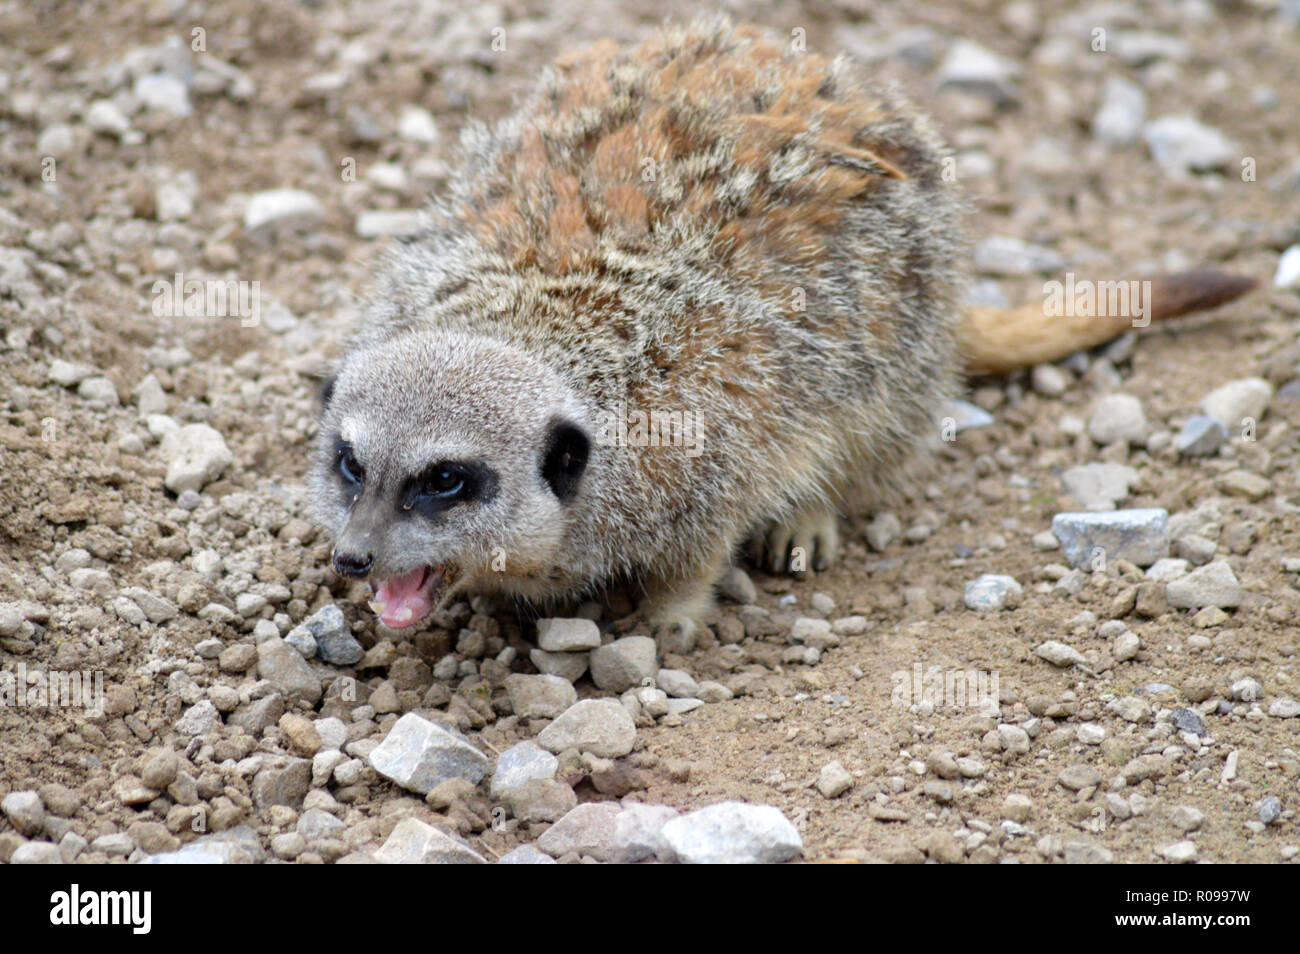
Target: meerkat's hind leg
column 807, row 540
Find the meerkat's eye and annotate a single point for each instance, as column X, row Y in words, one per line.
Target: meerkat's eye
column 445, row 481
column 350, row 468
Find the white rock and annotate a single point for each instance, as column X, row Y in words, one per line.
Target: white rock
column 419, row 755
column 733, row 833
column 103, row 116
column 1288, row 269
column 417, row 125
column 196, row 455
column 599, row 726
column 976, row 69
column 1237, row 402
column 1123, row 110
column 276, row 211
column 992, row 592
column 1099, row 486
column 1117, row 417
column 1211, row 585
column 567, row 635
column 1182, row 144
column 381, row 223
column 164, row 92
column 415, row 843
column 1059, row 654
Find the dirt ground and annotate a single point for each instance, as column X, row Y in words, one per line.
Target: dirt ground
column 294, row 95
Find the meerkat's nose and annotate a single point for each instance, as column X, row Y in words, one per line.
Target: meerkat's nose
column 353, row 564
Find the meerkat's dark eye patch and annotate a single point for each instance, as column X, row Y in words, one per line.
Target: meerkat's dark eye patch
column 326, row 392
column 350, row 469
column 565, row 459
column 441, row 485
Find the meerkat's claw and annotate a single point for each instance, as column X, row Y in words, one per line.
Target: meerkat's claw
column 808, row 540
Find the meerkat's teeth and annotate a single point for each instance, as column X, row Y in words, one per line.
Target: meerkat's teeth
column 378, row 606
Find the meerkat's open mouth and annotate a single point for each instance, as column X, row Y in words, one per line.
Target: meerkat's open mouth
column 405, row 600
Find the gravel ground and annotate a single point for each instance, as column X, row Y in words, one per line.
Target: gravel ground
column 1133, row 708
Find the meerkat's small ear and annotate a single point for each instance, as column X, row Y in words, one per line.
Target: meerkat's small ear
column 326, row 391
column 564, row 458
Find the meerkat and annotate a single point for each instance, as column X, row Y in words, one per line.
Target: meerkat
column 710, row 227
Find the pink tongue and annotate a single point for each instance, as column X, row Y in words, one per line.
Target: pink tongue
column 404, row 600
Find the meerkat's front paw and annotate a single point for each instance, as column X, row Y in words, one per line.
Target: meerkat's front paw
column 675, row 610
column 808, row 540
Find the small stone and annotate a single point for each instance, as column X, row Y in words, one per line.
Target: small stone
column 1211, row 585
column 196, row 455
column 1017, row 807
column 199, row 720
column 25, row 811
column 638, row 833
column 1284, row 709
column 387, row 223
column 1116, row 418
column 834, row 780
column 1126, row 646
column 1288, row 269
column 413, row 842
column 567, row 635
column 1139, row 536
column 1089, row 733
column 978, row 70
column 1087, row 853
column 1131, row 709
column 568, row 666
column 1181, row 144
column 163, row 92
column 1013, row 739
column 677, row 683
column 36, row 853
column 98, row 390
column 1270, row 809
column 159, row 767
column 1238, row 402
column 1201, row 436
column 1118, row 121
column 278, row 211
column 1049, row 380
column 418, row 755
column 883, row 529
column 416, row 124
column 1180, row 852
column 992, row 592
column 624, row 663
column 328, row 629
column 280, row 664
column 1188, row 720
column 1099, row 486
column 284, row 783
column 525, row 855
column 1242, row 483
column 1078, row 777
column 587, row 829
column 104, row 116
column 301, row 734
column 521, row 763
column 539, row 697
column 1187, row 818
column 1059, row 654
column 733, row 833
column 599, row 726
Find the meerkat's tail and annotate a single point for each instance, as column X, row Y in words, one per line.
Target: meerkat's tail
column 996, row 340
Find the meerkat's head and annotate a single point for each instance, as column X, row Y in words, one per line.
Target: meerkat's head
column 446, row 462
